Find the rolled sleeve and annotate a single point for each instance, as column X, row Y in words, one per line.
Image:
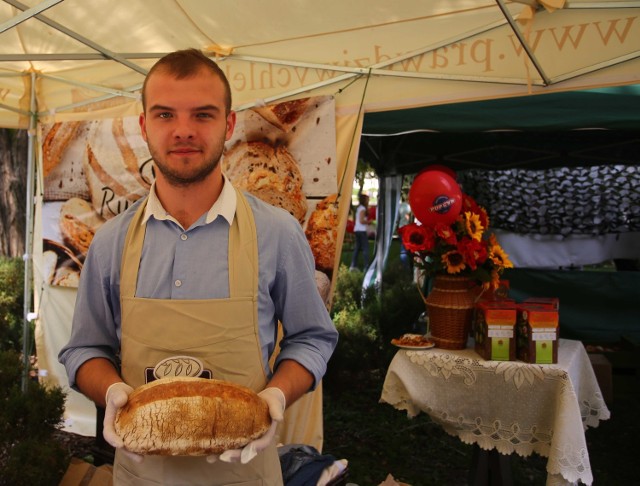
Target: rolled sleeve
column 95, row 327
column 309, row 333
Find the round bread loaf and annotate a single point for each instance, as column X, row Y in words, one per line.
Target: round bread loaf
column 185, row 416
column 322, row 233
column 269, row 173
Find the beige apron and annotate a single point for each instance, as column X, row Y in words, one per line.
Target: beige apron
column 216, row 338
column 303, row 420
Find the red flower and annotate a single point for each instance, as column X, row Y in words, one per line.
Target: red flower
column 446, row 233
column 474, row 251
column 416, row 238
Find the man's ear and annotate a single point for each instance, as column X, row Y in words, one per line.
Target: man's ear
column 231, row 124
column 143, row 126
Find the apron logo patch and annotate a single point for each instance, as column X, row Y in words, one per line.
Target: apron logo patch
column 177, row 366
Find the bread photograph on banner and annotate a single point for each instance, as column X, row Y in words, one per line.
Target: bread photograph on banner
column 283, row 153
column 92, row 171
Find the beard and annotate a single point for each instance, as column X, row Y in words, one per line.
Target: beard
column 186, row 174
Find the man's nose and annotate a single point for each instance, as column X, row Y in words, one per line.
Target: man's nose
column 183, row 129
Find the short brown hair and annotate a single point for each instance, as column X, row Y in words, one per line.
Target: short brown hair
column 185, row 63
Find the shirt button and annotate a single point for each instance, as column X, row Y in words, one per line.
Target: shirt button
column 183, row 237
column 178, row 283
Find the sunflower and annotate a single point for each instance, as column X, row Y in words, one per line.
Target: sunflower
column 453, row 261
column 500, row 257
column 473, row 225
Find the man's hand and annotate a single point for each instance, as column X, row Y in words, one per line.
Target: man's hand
column 116, row 397
column 277, row 403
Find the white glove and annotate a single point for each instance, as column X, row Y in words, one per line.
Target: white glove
column 277, row 403
column 116, row 397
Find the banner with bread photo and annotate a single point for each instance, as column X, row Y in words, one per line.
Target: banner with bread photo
column 283, row 153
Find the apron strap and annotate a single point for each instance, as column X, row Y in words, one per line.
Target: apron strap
column 132, row 252
column 243, row 251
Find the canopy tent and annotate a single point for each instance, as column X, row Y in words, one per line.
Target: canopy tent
column 63, row 60
column 381, row 55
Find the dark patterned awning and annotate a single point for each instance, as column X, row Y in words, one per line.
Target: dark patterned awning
column 561, row 201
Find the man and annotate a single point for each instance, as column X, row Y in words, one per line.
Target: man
column 197, row 271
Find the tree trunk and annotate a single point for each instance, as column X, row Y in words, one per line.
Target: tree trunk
column 13, row 186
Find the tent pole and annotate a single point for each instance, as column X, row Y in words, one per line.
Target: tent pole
column 26, row 331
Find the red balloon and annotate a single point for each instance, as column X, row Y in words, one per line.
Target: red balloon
column 443, row 168
column 435, row 197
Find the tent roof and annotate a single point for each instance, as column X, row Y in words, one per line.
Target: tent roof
column 373, row 55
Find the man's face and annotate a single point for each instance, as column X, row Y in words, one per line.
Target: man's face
column 185, row 125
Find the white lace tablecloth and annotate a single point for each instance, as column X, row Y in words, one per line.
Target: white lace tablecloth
column 510, row 406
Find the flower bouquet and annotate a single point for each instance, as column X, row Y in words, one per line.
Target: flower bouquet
column 459, row 256
column 463, row 248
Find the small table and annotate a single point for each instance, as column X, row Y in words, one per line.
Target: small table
column 509, row 406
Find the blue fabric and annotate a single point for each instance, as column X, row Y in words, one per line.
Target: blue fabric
column 361, row 245
column 302, row 465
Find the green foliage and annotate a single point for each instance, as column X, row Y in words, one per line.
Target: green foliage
column 35, row 462
column 11, row 302
column 367, row 320
column 29, row 455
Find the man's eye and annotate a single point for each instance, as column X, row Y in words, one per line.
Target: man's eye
column 164, row 115
column 204, row 115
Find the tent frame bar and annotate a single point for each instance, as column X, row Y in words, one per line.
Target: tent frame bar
column 79, row 38
column 28, row 255
column 27, row 14
column 523, row 41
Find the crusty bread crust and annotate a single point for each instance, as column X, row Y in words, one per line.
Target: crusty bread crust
column 191, row 416
column 269, row 173
column 55, row 143
column 322, row 233
column 284, row 115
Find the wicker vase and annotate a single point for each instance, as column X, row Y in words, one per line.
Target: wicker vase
column 450, row 308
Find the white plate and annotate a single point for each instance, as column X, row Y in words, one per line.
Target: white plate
column 426, row 346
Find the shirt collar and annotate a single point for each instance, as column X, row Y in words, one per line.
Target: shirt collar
column 224, row 206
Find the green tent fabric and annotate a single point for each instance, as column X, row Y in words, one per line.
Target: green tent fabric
column 616, row 108
column 595, row 307
column 578, row 128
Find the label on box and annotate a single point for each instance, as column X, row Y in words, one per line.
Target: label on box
column 500, row 349
column 544, row 352
column 544, row 336
column 500, row 333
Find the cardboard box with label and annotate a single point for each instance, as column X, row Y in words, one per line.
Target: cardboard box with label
column 495, row 330
column 553, row 302
column 537, row 333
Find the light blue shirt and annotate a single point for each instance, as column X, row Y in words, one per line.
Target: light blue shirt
column 193, row 264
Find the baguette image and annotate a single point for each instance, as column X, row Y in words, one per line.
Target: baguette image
column 185, row 416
